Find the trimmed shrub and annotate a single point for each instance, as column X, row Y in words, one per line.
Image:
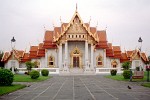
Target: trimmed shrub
column 126, row 65
column 6, row 77
column 29, row 66
column 34, row 74
column 127, row 74
column 44, row 72
column 113, row 72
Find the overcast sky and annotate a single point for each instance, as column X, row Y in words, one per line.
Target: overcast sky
column 126, row 20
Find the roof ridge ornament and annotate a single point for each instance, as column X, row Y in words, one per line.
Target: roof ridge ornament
column 76, row 7
column 61, row 20
column 90, row 20
column 96, row 24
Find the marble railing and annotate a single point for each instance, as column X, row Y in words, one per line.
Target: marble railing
column 107, row 70
column 51, row 70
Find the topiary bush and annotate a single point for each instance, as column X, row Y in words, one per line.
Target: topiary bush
column 44, row 72
column 34, row 74
column 127, row 74
column 113, row 72
column 6, row 77
column 126, row 65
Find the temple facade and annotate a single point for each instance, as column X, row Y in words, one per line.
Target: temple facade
column 75, row 48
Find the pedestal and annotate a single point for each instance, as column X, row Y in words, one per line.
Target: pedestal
column 89, row 69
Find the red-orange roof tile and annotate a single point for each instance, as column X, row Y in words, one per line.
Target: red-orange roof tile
column 40, row 46
column 93, row 29
column 116, row 48
column 48, row 36
column 117, row 51
column 144, row 57
column 34, row 48
column 129, row 53
column 109, row 50
column 5, row 56
column 102, row 40
column 86, row 24
column 102, row 35
column 25, row 57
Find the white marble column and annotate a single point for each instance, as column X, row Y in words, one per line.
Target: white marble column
column 105, row 58
column 66, row 53
column 46, row 58
column 66, row 50
column 92, row 48
column 60, row 56
column 86, row 53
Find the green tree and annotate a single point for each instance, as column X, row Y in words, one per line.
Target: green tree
column 149, row 59
column 126, row 73
column 29, row 66
column 126, row 65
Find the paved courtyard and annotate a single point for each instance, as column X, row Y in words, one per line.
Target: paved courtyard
column 80, row 88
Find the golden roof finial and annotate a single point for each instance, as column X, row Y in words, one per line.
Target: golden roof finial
column 90, row 20
column 106, row 27
column 60, row 20
column 76, row 7
column 44, row 27
column 53, row 25
column 97, row 24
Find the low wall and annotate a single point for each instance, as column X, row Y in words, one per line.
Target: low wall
column 107, row 70
column 51, row 70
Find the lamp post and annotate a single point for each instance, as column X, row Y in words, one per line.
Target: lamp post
column 147, row 69
column 140, row 41
column 13, row 47
column 140, row 48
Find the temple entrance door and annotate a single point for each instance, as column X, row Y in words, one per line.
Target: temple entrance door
column 76, row 58
column 76, row 62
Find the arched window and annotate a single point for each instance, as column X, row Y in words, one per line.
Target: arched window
column 99, row 61
column 51, row 61
column 36, row 64
column 114, row 63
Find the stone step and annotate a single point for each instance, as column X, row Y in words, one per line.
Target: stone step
column 76, row 70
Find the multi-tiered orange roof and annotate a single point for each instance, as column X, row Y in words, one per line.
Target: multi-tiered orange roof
column 52, row 37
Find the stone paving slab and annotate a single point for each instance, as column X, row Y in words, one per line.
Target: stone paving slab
column 80, row 88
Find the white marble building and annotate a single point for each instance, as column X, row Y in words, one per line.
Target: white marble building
column 75, row 48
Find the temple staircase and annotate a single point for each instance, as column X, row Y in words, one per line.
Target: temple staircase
column 76, row 71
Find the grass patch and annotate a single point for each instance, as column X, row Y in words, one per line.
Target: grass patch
column 120, row 77
column 27, row 78
column 146, row 85
column 117, row 77
column 8, row 89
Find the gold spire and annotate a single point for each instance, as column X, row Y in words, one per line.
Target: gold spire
column 97, row 24
column 90, row 20
column 60, row 20
column 76, row 7
column 53, row 25
column 44, row 27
